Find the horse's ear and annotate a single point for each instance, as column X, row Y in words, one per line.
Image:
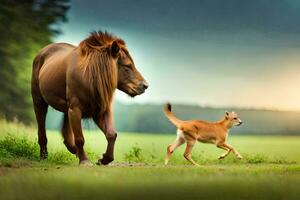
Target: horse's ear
column 115, row 49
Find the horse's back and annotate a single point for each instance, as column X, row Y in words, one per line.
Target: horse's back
column 52, row 49
column 51, row 66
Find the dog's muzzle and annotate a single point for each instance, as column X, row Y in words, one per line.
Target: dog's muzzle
column 240, row 123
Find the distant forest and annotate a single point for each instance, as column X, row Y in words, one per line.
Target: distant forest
column 25, row 27
column 149, row 118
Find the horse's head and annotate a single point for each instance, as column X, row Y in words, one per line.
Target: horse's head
column 130, row 79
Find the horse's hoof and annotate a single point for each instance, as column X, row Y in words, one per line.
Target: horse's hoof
column 43, row 155
column 240, row 157
column 105, row 160
column 85, row 163
column 221, row 157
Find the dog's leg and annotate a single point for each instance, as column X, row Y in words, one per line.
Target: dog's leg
column 188, row 151
column 171, row 148
column 221, row 146
column 238, row 155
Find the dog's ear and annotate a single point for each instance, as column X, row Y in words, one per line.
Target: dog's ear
column 226, row 114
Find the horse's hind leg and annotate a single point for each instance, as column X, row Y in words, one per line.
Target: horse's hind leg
column 40, row 109
column 68, row 135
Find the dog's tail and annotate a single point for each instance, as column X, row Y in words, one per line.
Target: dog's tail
column 169, row 114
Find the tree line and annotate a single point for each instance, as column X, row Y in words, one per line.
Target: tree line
column 25, row 27
column 149, row 118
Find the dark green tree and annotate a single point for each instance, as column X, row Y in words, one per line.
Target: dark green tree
column 25, row 27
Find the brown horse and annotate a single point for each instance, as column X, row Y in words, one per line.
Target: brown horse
column 80, row 82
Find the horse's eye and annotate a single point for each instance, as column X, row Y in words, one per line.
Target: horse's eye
column 235, row 118
column 128, row 66
column 126, row 69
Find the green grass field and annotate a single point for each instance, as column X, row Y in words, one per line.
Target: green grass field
column 270, row 168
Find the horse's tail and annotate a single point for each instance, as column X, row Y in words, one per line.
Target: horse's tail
column 169, row 114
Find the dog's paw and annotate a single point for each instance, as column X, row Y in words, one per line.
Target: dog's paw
column 197, row 165
column 166, row 162
column 221, row 157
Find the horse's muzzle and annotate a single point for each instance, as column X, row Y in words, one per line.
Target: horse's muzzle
column 138, row 89
column 142, row 87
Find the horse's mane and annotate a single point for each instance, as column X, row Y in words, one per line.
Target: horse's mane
column 99, row 69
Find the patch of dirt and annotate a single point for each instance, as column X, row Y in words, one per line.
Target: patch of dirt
column 132, row 164
column 129, row 164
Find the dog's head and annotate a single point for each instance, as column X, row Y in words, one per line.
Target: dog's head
column 233, row 119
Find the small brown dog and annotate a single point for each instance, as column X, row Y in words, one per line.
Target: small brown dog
column 202, row 131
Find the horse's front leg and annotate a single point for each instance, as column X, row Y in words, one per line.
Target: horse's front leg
column 105, row 123
column 75, row 122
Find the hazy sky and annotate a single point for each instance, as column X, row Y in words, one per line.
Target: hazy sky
column 207, row 52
